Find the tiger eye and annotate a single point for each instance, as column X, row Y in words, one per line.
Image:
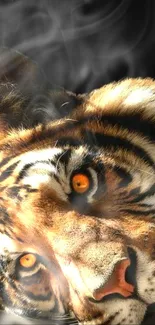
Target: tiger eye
column 80, row 183
column 27, row 260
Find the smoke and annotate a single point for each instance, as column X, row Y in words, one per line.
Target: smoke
column 82, row 44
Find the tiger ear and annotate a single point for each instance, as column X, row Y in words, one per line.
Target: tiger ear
column 43, row 102
column 18, row 69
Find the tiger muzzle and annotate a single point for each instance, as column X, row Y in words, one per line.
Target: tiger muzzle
column 90, row 286
column 101, row 274
column 116, row 282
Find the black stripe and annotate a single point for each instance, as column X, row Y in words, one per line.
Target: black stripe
column 65, row 156
column 44, row 134
column 133, row 192
column 103, row 140
column 5, row 294
column 19, row 239
column 68, row 141
column 6, row 160
column 28, row 188
column 138, row 212
column 8, row 279
column 32, row 190
column 4, row 216
column 13, row 192
column 23, row 172
column 6, row 232
column 145, row 205
column 56, row 178
column 133, row 122
column 62, row 157
column 124, row 175
column 8, row 171
column 142, row 196
column 38, row 297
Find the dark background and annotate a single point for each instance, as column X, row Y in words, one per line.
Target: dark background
column 83, row 44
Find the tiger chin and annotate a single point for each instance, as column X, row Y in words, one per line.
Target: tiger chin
column 77, row 199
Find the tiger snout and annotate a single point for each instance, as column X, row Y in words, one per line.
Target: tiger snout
column 99, row 276
column 107, row 282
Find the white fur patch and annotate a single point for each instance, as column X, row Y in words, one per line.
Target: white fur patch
column 138, row 96
column 116, row 92
column 38, row 155
column 76, row 159
column 7, row 244
column 10, row 245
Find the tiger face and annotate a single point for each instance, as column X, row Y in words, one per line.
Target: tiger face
column 77, row 211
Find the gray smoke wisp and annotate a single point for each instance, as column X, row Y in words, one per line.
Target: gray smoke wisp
column 74, row 41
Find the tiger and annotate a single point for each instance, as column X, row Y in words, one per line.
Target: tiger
column 77, row 207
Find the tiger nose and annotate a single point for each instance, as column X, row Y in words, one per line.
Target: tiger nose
column 116, row 283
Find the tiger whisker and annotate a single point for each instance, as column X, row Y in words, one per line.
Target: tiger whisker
column 58, row 317
column 65, row 319
column 70, row 119
column 144, row 171
column 60, row 158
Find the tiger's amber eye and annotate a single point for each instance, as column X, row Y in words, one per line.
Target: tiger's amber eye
column 80, row 183
column 27, row 260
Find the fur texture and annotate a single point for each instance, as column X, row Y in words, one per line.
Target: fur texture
column 81, row 242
